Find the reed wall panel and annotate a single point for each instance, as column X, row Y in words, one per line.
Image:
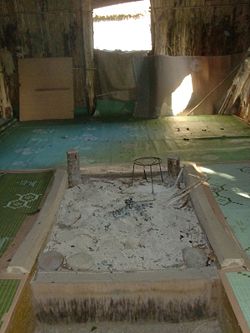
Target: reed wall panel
column 200, row 27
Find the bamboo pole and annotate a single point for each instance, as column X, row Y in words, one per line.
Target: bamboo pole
column 88, row 42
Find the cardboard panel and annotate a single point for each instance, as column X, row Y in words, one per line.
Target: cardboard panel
column 46, row 89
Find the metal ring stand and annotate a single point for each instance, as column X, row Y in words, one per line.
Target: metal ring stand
column 147, row 162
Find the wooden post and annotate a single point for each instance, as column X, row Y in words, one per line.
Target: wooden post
column 73, row 168
column 88, row 42
column 173, row 166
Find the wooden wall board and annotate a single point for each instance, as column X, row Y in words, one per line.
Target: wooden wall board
column 46, row 88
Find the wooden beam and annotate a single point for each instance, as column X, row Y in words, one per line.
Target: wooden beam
column 219, row 235
column 24, row 259
column 104, row 3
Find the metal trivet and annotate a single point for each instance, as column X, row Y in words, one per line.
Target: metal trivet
column 147, row 162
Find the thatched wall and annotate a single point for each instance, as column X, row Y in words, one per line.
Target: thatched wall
column 237, row 100
column 200, row 27
column 42, row 28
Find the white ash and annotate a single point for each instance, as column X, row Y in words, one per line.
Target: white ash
column 124, row 227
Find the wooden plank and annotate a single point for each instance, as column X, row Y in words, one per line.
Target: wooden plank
column 220, row 216
column 226, row 249
column 46, row 89
column 104, row 3
column 25, row 258
column 174, row 287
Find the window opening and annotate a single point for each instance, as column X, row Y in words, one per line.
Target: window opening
column 124, row 27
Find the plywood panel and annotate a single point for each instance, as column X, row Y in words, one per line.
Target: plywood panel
column 46, row 89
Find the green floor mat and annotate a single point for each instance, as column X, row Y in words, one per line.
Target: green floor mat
column 20, row 196
column 8, row 289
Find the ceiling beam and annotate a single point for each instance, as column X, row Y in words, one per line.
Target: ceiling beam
column 104, row 3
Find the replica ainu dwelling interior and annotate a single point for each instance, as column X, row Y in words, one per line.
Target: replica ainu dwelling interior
column 125, row 166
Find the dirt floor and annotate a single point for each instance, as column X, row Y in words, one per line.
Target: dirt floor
column 112, row 225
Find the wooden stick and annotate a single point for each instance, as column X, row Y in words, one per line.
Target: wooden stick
column 176, row 184
column 185, row 192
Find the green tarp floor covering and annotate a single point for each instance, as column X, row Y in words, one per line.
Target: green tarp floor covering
column 35, row 145
column 240, row 284
column 230, row 184
column 20, row 196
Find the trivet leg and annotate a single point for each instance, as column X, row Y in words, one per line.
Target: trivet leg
column 152, row 179
column 133, row 173
column 161, row 172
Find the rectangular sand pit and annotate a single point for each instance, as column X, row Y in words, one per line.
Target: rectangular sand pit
column 108, row 225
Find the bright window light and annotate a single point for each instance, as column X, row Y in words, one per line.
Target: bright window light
column 124, row 27
column 181, row 96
